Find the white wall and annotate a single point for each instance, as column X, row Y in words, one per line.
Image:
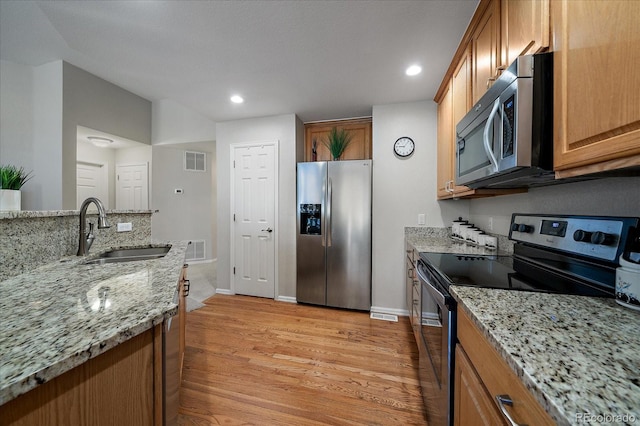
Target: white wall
column 602, row 197
column 95, row 103
column 16, row 115
column 184, row 216
column 285, row 129
column 41, row 109
column 174, row 123
column 176, row 129
column 402, row 189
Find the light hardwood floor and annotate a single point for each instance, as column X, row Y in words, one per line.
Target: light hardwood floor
column 257, row 361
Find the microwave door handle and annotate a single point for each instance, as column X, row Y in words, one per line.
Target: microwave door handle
column 485, row 138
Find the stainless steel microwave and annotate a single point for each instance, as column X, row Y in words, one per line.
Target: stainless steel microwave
column 506, row 140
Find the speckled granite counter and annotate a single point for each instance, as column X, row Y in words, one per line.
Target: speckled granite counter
column 59, row 315
column 576, row 354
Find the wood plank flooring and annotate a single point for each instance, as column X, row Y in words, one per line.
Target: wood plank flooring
column 254, row 361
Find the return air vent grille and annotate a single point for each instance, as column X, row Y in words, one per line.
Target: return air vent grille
column 384, row 317
column 195, row 161
column 195, row 250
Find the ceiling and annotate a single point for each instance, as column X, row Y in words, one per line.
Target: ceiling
column 318, row 59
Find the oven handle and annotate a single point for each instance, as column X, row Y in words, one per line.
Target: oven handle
column 441, row 300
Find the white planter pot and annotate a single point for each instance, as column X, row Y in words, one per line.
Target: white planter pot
column 10, row 200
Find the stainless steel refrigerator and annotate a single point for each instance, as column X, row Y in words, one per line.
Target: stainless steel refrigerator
column 334, row 234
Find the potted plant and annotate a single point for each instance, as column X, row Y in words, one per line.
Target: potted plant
column 11, row 180
column 337, row 141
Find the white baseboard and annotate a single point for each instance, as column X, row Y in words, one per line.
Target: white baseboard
column 224, row 291
column 287, row 299
column 197, row 262
column 381, row 310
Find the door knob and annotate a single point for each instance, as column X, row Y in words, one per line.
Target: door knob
column 267, row 230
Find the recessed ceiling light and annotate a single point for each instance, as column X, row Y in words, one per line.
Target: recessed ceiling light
column 99, row 141
column 414, row 70
column 237, row 99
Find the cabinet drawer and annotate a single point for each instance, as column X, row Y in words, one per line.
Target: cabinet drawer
column 497, row 376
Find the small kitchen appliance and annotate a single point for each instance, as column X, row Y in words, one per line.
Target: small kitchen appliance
column 506, row 139
column 562, row 254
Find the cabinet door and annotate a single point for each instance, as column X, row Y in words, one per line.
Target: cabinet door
column 485, row 50
column 445, row 145
column 597, row 85
column 358, row 149
column 525, row 28
column 461, row 104
column 472, row 403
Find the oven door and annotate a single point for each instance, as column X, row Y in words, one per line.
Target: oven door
column 437, row 330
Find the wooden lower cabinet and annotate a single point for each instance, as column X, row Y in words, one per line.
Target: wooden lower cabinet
column 473, row 405
column 114, row 388
column 183, row 290
column 481, row 375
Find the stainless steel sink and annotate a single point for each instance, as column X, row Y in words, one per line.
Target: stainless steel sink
column 129, row 255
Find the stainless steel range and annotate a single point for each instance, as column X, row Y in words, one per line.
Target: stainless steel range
column 552, row 253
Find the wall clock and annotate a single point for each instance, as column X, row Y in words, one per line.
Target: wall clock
column 404, row 147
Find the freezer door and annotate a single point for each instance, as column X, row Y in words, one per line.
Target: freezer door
column 311, row 260
column 348, row 234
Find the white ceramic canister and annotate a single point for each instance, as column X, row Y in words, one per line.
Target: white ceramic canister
column 491, row 242
column 628, row 284
column 455, row 227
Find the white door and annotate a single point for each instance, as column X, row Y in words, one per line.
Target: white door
column 92, row 180
column 254, row 190
column 132, row 187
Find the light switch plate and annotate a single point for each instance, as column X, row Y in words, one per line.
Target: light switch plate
column 421, row 219
column 125, row 227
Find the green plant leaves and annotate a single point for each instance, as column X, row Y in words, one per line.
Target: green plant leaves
column 12, row 177
column 337, row 141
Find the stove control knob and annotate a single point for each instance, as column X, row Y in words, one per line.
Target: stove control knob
column 603, row 238
column 522, row 228
column 582, row 236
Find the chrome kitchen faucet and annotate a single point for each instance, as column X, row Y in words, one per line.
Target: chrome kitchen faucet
column 85, row 241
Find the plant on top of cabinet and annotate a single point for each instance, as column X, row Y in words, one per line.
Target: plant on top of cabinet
column 337, row 141
column 359, row 148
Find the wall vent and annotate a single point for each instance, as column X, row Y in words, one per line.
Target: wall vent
column 195, row 250
column 195, row 161
column 385, row 317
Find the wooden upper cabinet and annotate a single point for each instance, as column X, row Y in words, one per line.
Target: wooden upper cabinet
column 485, row 46
column 525, row 28
column 596, row 85
column 445, row 145
column 358, row 149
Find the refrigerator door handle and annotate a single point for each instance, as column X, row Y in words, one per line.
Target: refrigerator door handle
column 329, row 202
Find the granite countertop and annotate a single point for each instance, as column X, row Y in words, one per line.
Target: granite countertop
column 577, row 355
column 59, row 315
column 23, row 214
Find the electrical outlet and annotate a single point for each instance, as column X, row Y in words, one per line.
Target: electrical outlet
column 490, row 224
column 125, row 227
column 421, row 219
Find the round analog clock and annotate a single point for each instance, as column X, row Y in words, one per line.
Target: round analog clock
column 404, row 147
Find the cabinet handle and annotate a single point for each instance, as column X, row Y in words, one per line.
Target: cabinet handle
column 503, row 401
